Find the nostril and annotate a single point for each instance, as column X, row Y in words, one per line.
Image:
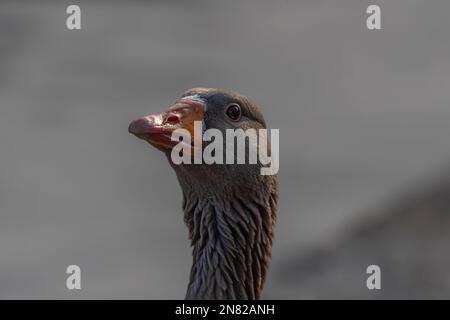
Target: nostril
column 173, row 119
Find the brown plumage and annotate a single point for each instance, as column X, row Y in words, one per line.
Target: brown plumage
column 230, row 209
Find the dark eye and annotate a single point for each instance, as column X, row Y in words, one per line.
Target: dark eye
column 233, row 111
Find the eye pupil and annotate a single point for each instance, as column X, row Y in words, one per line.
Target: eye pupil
column 234, row 112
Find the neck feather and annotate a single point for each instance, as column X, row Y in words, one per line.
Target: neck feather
column 232, row 243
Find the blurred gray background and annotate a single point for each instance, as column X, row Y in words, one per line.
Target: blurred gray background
column 364, row 128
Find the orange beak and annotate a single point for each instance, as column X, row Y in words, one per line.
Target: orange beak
column 157, row 129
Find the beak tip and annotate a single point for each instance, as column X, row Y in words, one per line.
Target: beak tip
column 130, row 128
column 139, row 126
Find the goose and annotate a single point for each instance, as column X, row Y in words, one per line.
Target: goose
column 229, row 209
